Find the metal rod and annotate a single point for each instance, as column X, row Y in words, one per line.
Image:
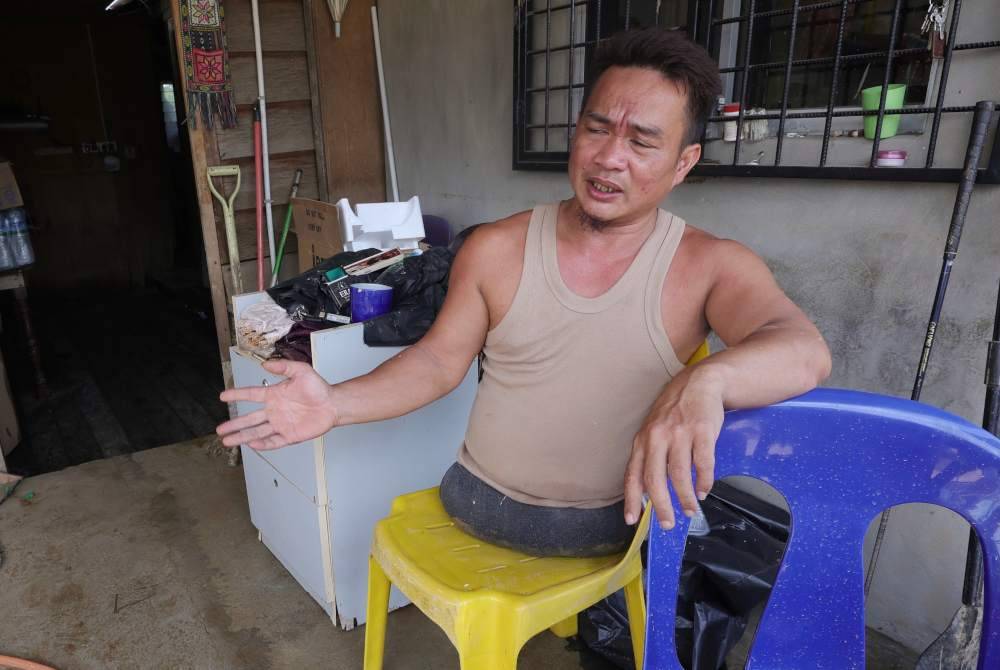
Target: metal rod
column 548, row 40
column 856, row 111
column 991, row 412
column 833, row 83
column 788, row 82
column 568, row 6
column 782, row 12
column 943, row 83
column 826, row 60
column 893, row 32
column 540, row 89
column 391, row 155
column 628, row 13
column 572, row 59
column 862, row 57
column 744, row 84
column 266, row 153
column 977, row 138
column 518, row 118
column 868, row 174
column 566, row 47
column 708, row 48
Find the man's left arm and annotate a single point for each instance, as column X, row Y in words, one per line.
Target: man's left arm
column 773, row 352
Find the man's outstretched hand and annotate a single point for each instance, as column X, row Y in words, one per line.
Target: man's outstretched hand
column 680, row 431
column 299, row 408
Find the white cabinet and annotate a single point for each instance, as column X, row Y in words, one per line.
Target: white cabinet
column 316, row 503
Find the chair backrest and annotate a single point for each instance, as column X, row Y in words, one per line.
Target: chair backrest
column 839, row 458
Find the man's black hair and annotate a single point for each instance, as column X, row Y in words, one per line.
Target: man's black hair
column 677, row 58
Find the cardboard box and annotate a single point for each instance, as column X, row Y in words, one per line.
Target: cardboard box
column 317, row 225
column 10, row 433
column 10, row 195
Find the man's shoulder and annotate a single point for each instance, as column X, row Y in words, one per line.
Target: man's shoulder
column 500, row 237
column 703, row 247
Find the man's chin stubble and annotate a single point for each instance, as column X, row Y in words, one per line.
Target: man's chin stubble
column 588, row 221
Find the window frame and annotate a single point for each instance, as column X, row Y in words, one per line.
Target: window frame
column 699, row 28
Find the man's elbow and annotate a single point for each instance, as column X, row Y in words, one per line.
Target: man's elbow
column 819, row 361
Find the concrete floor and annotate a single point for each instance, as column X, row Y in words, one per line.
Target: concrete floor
column 149, row 560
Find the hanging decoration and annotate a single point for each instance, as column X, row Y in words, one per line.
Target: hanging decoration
column 206, row 63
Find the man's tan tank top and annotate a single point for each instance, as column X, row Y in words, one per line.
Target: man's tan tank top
column 568, row 380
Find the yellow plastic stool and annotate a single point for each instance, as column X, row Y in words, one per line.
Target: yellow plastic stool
column 490, row 600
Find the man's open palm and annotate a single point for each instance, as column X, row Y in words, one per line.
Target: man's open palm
column 299, row 408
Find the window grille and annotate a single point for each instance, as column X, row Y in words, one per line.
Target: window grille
column 803, row 61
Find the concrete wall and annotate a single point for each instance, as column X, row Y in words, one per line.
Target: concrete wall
column 861, row 258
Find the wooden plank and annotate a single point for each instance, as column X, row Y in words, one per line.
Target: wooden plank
column 282, row 27
column 286, row 78
column 202, row 143
column 246, row 234
column 282, row 172
column 248, row 270
column 314, row 99
column 289, row 129
column 351, row 113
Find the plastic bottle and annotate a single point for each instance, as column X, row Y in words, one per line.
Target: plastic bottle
column 20, row 242
column 6, row 253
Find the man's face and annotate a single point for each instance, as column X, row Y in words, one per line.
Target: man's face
column 628, row 151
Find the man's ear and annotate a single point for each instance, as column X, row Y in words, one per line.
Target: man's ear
column 689, row 157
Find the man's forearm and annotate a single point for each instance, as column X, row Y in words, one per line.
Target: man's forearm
column 774, row 363
column 413, row 378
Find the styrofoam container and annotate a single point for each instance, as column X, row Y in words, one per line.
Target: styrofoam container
column 381, row 225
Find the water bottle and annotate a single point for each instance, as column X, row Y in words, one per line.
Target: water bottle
column 20, row 242
column 6, row 252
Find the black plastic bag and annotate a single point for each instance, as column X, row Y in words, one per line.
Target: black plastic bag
column 604, row 634
column 419, row 285
column 309, row 289
column 725, row 574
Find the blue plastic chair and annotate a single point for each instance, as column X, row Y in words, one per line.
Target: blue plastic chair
column 839, row 458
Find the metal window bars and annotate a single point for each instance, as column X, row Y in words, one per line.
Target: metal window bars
column 702, row 22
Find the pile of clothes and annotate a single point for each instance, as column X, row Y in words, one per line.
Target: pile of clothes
column 319, row 299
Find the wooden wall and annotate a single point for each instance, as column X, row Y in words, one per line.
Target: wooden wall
column 349, row 99
column 323, row 116
column 323, row 109
column 289, row 117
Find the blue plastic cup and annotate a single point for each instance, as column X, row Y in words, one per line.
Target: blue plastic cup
column 369, row 301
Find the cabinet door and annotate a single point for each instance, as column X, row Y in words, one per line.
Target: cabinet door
column 289, row 524
column 296, row 462
column 367, row 465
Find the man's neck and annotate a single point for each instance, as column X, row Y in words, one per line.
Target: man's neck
column 579, row 230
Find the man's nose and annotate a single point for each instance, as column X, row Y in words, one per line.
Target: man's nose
column 612, row 154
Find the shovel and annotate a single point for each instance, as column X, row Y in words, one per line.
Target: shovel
column 957, row 648
column 227, row 215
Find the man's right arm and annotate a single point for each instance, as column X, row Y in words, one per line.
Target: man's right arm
column 436, row 364
column 304, row 406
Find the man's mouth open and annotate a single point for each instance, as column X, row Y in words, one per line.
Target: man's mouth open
column 602, row 190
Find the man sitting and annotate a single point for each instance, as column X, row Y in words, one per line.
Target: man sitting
column 585, row 310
